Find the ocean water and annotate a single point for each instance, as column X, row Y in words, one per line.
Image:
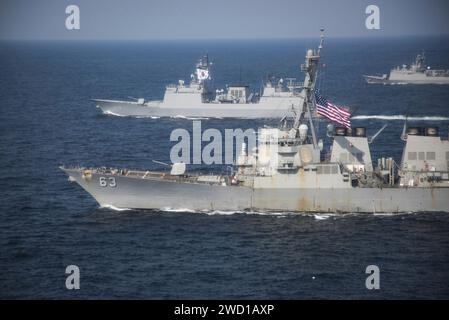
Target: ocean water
column 47, row 223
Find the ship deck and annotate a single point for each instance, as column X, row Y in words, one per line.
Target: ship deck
column 194, row 177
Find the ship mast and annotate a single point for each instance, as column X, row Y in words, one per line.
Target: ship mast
column 310, row 68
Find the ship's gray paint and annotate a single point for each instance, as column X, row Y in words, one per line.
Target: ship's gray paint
column 198, row 99
column 270, row 108
column 138, row 193
column 416, row 73
column 287, row 178
column 353, row 151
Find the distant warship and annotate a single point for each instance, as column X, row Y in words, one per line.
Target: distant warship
column 416, row 73
column 198, row 99
column 290, row 170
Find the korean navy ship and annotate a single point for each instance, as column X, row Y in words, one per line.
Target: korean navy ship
column 291, row 170
column 199, row 99
column 416, row 73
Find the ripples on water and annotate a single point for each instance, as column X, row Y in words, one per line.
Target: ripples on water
column 47, row 223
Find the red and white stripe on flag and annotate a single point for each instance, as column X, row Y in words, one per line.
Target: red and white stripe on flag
column 336, row 114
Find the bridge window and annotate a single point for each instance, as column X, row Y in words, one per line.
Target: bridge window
column 447, row 155
column 421, row 156
column 430, row 155
column 412, row 155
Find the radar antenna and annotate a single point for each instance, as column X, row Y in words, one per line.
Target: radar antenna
column 310, row 68
column 321, row 40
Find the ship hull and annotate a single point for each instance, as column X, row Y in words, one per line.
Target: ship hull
column 199, row 110
column 411, row 80
column 144, row 193
column 138, row 193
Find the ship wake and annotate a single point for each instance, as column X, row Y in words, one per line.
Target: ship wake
column 318, row 216
column 401, row 117
column 110, row 113
column 113, row 208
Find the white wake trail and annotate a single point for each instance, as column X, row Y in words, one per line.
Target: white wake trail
column 113, row 208
column 401, row 117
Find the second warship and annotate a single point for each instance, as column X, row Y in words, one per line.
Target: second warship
column 416, row 73
column 291, row 171
column 199, row 99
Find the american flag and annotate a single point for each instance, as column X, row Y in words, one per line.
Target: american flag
column 334, row 113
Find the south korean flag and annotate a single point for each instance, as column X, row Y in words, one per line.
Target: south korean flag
column 202, row 74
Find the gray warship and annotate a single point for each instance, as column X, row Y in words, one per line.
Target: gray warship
column 199, row 99
column 290, row 170
column 416, row 73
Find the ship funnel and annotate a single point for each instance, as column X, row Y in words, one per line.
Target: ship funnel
column 303, row 128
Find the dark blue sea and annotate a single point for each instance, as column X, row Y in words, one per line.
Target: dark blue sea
column 47, row 223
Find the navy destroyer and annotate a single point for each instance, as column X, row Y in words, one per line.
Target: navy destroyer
column 290, row 170
column 199, row 99
column 416, row 73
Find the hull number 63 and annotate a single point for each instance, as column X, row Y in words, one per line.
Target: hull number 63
column 105, row 182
